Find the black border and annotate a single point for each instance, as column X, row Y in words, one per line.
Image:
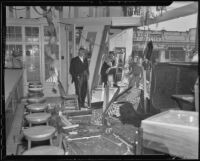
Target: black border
column 2, row 47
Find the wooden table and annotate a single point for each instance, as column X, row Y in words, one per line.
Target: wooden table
column 173, row 132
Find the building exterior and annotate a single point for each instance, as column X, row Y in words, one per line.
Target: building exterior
column 168, row 45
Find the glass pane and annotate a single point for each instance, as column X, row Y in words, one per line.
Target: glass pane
column 8, row 58
column 11, row 29
column 28, row 34
column 13, row 56
column 51, row 61
column 27, row 31
column 33, row 63
column 166, row 54
column 11, row 37
column 47, row 34
column 11, row 49
column 18, row 37
column 18, row 30
column 177, row 55
column 35, row 31
column 17, row 57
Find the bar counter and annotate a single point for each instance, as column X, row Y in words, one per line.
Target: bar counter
column 13, row 87
column 12, row 84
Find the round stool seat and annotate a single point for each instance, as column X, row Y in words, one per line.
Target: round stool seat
column 36, row 99
column 35, row 89
column 37, row 118
column 35, row 86
column 37, row 107
column 39, row 133
column 45, row 150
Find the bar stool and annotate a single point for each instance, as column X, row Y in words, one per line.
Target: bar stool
column 36, row 99
column 39, row 133
column 38, row 118
column 35, row 90
column 45, row 150
column 35, row 86
column 33, row 94
column 37, row 107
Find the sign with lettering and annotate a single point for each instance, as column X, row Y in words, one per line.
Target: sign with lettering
column 142, row 36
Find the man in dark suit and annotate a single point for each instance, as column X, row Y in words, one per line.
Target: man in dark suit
column 80, row 74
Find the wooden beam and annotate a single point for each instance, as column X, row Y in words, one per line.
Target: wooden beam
column 112, row 21
column 126, row 21
column 176, row 13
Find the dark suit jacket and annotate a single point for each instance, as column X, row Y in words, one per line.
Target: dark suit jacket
column 77, row 67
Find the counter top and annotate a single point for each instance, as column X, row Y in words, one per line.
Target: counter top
column 11, row 78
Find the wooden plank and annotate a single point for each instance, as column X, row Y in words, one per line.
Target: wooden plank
column 176, row 13
column 95, row 51
column 126, row 21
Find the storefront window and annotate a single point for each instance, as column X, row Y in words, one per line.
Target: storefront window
column 13, row 33
column 166, row 54
column 176, row 54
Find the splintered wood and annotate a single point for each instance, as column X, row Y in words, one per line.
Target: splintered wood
column 99, row 145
